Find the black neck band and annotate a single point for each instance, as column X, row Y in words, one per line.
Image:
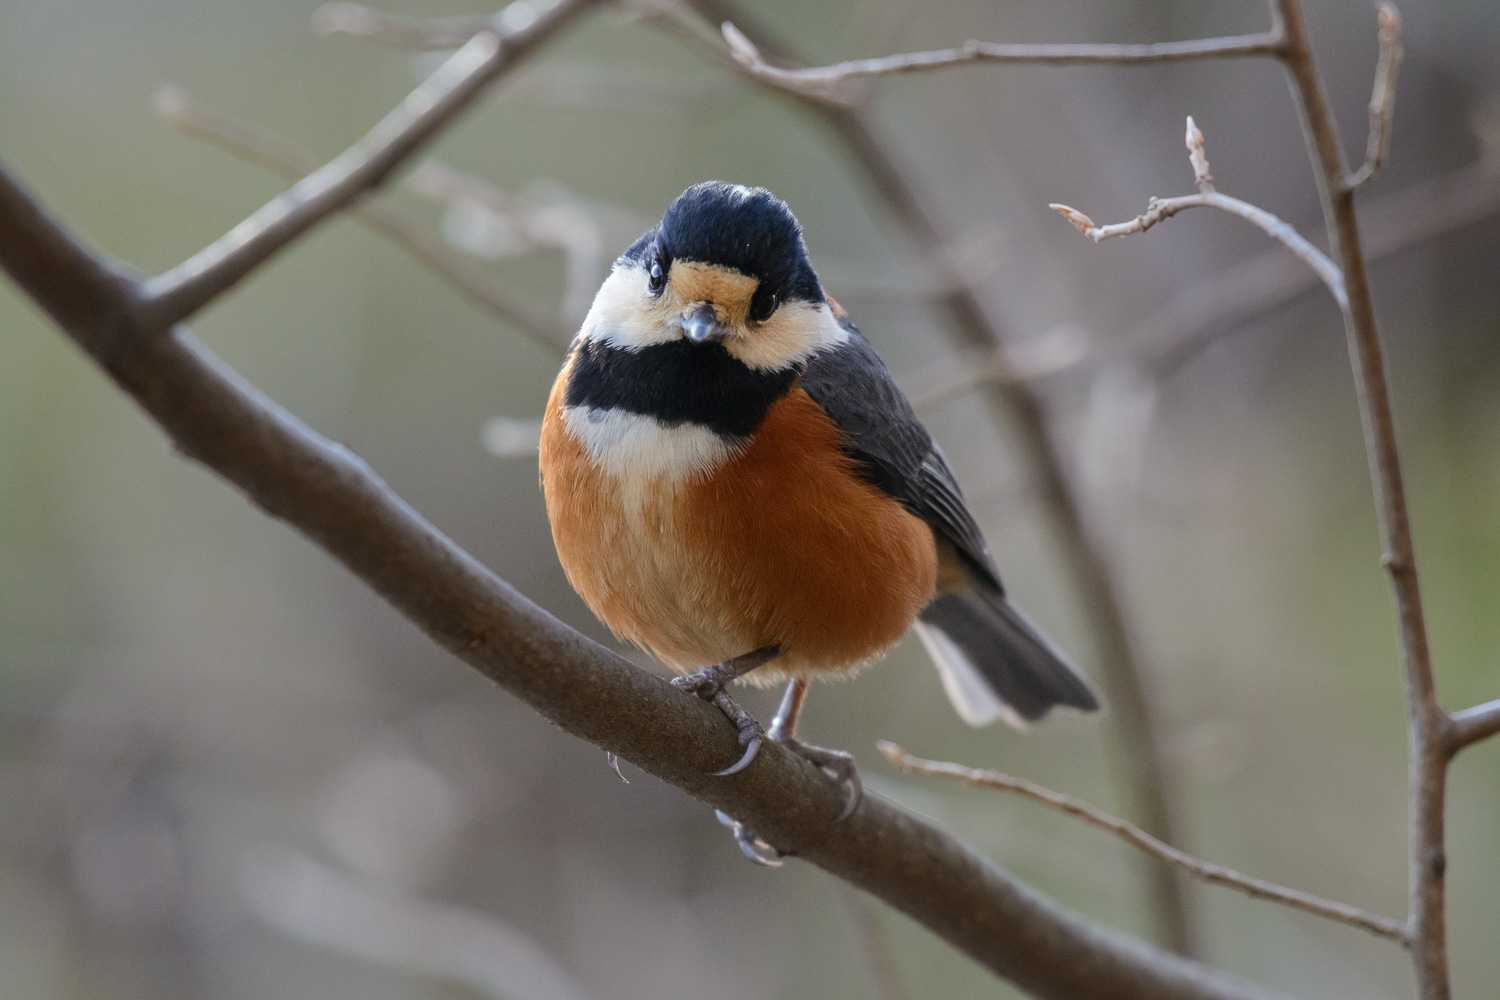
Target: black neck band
column 677, row 383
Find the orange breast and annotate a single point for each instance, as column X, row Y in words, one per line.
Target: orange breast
column 781, row 544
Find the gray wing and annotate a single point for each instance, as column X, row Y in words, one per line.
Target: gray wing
column 891, row 448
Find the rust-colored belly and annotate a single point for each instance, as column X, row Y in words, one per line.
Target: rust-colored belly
column 780, row 544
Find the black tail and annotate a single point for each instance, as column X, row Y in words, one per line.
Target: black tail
column 996, row 664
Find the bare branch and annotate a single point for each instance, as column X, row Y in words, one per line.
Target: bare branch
column 1382, row 96
column 261, row 147
column 1472, row 725
column 823, row 82
column 329, row 494
column 364, row 166
column 1130, row 833
column 1161, row 209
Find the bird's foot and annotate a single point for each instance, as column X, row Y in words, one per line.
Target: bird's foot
column 837, row 764
column 708, row 684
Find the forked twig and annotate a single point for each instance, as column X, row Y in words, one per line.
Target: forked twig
column 1161, row 209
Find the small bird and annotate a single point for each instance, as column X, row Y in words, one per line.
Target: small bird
column 736, row 485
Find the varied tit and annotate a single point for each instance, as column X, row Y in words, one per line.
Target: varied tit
column 736, row 484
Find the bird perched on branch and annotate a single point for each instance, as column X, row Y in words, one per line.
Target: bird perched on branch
column 736, row 485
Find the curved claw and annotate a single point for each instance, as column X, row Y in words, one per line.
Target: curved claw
column 750, row 848
column 613, row 760
column 854, row 796
column 754, row 849
column 751, row 750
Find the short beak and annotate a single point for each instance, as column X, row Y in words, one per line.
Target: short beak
column 702, row 326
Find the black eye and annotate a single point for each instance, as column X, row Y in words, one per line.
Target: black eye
column 763, row 305
column 658, row 279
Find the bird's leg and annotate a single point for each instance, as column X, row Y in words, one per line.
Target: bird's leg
column 839, row 764
column 709, row 684
column 784, row 722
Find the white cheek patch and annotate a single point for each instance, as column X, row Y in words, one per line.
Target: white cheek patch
column 637, row 446
column 794, row 333
column 625, row 316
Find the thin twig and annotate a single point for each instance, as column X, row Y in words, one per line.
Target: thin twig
column 258, row 146
column 1154, row 846
column 1382, row 95
column 823, row 82
column 1474, row 724
column 1140, row 756
column 364, row 166
column 1161, row 209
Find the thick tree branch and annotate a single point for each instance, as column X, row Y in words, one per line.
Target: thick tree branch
column 333, row 497
column 1139, row 752
column 1161, row 209
column 1130, row 833
column 182, row 291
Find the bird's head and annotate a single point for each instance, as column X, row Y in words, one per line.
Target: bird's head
column 725, row 269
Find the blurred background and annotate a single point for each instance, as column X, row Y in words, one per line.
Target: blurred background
column 226, row 770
